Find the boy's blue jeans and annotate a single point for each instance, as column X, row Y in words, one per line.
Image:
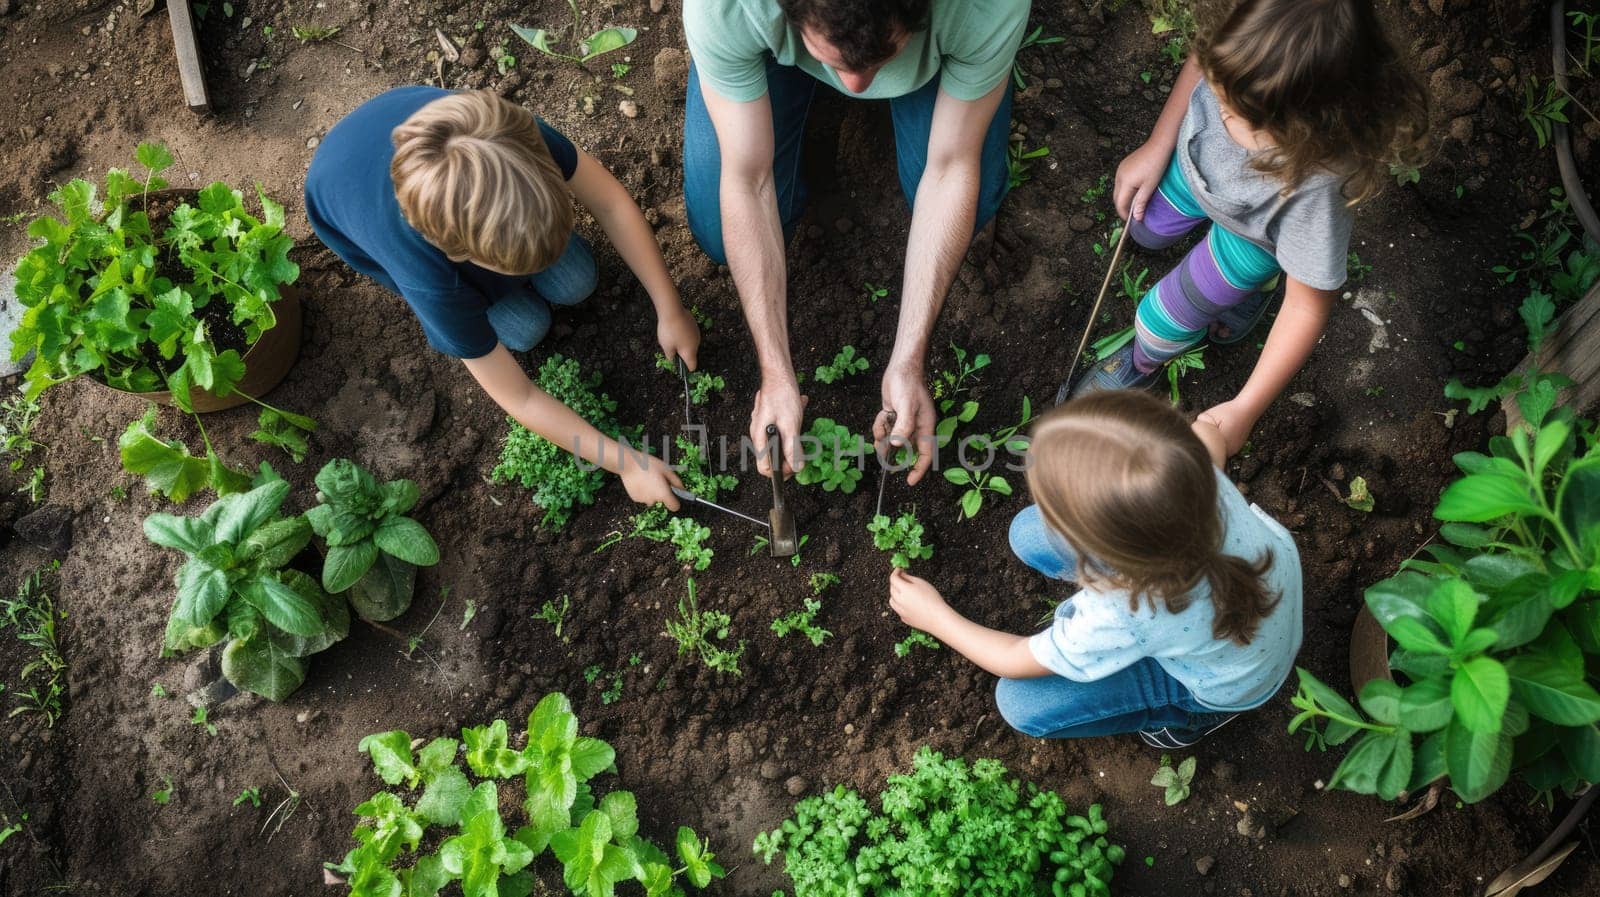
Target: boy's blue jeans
column 790, row 91
column 1140, row 697
column 521, row 318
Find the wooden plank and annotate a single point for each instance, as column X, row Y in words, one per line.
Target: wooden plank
column 190, row 69
column 1573, row 349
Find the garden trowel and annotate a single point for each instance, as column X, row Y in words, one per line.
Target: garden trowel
column 784, row 542
column 1072, row 370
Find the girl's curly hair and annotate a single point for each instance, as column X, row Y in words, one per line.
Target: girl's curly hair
column 1321, row 78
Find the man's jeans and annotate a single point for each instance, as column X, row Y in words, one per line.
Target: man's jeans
column 1140, row 697
column 790, row 91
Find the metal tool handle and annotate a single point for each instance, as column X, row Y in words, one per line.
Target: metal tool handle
column 883, row 466
column 688, row 407
column 775, row 457
column 690, row 497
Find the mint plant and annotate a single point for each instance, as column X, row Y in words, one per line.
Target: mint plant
column 944, row 829
column 491, row 850
column 836, row 462
column 233, row 587
column 559, row 483
column 697, row 633
column 373, row 549
column 803, row 621
column 845, row 364
column 98, row 302
column 901, row 535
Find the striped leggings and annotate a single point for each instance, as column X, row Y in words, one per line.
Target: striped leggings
column 1216, row 275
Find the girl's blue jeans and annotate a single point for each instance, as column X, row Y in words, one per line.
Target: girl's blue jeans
column 1140, row 697
column 789, row 91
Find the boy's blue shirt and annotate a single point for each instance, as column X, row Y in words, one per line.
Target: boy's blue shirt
column 351, row 203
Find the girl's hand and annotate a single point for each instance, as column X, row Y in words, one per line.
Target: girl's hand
column 649, row 482
column 679, row 337
column 1232, row 421
column 918, row 603
column 1137, row 179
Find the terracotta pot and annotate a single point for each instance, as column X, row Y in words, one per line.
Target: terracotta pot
column 265, row 364
column 1369, row 651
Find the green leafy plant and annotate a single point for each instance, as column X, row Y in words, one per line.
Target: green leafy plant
column 1034, row 38
column 1192, row 360
column 32, row 617
column 950, row 385
column 597, row 44
column 1543, row 110
column 17, row 417
column 695, row 471
column 916, row 639
column 555, row 615
column 105, row 295
column 875, row 292
column 803, row 621
column 837, row 459
column 697, row 633
column 314, row 34
column 821, row 582
column 1360, row 497
column 284, row 430
column 1018, row 163
column 1175, row 779
column 902, row 535
column 233, row 586
column 559, row 483
column 200, row 718
column 1357, row 268
column 978, row 483
column 595, row 839
column 689, row 537
column 701, row 384
column 168, row 468
column 794, row 560
column 759, row 545
column 163, row 795
column 845, row 364
column 1405, row 173
column 251, row 796
column 373, row 549
column 613, row 691
column 1496, row 631
column 942, row 830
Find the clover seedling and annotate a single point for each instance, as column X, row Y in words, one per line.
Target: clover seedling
column 1175, row 779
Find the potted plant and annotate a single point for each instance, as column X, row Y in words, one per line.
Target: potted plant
column 372, row 549
column 179, row 296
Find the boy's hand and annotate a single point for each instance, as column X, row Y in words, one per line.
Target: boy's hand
column 918, row 603
column 651, row 482
column 679, row 337
column 1137, row 179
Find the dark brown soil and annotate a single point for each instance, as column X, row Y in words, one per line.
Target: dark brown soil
column 89, row 80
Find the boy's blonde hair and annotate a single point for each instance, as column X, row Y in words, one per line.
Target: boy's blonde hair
column 474, row 177
column 1121, row 476
column 1322, row 79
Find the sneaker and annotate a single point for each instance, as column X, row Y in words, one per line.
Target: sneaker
column 1116, row 372
column 1170, row 738
column 1242, row 318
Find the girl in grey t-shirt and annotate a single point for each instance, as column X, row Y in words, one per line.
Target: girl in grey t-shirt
column 1287, row 115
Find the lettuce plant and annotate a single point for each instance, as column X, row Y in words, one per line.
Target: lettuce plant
column 233, row 587
column 373, row 549
column 944, row 829
column 595, row 839
column 901, row 535
column 107, row 295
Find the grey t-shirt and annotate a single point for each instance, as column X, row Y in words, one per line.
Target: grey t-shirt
column 1308, row 231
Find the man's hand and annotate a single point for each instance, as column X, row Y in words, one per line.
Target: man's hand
column 778, row 403
column 679, row 337
column 1137, row 179
column 1233, row 420
column 649, row 480
column 905, row 392
column 918, row 603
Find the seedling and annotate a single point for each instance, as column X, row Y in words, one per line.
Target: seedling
column 556, row 616
column 821, row 582
column 285, row 430
column 759, row 545
column 845, row 364
column 875, row 292
column 467, row 614
column 414, row 642
column 903, row 536
column 17, row 417
column 618, row 69
column 1018, row 163
column 1192, row 360
column 32, row 616
column 1405, row 173
column 1175, row 50
column 373, row 548
column 1174, row 779
column 1358, row 269
column 1096, row 192
column 251, row 795
column 199, row 719
column 695, row 471
column 1543, row 111
column 689, row 537
column 794, row 561
column 916, row 639
column 838, row 460
column 281, row 813
column 597, row 44
column 158, row 691
column 163, row 794
column 695, row 631
column 977, row 482
column 1034, row 38
column 804, row 622
column 1359, row 498
column 33, row 488
column 701, row 384
column 1107, row 345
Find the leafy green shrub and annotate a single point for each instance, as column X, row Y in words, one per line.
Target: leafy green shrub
column 901, row 535
column 837, row 460
column 107, row 296
column 233, row 586
column 845, row 364
column 945, row 829
column 1497, row 632
column 559, row 483
column 373, row 549
column 168, row 468
column 596, row 839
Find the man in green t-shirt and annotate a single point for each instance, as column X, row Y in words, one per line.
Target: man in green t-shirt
column 944, row 66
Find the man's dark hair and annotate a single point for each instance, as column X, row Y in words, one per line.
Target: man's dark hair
column 864, row 31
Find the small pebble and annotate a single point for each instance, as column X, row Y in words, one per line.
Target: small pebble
column 796, row 786
column 1204, row 864
column 311, row 142
column 628, row 108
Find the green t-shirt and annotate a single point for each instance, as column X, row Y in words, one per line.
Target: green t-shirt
column 969, row 44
